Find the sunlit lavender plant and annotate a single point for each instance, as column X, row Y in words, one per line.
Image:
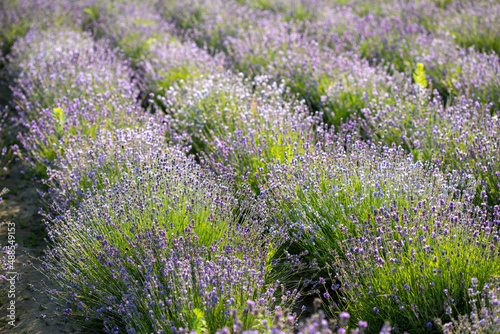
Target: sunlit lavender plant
column 287, row 323
column 377, row 31
column 326, row 196
column 258, row 43
column 456, row 71
column 45, row 139
column 160, row 248
column 55, row 65
column 18, row 16
column 237, row 125
column 263, row 133
column 402, row 35
column 415, row 14
column 338, row 85
column 127, row 25
column 168, row 62
column 474, row 24
column 210, row 22
column 90, row 164
column 461, row 135
column 160, row 60
column 69, row 85
column 294, row 10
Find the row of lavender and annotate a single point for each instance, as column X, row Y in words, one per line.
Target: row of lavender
column 15, row 19
column 324, row 186
column 327, row 60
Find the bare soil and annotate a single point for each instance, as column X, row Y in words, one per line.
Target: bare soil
column 35, row 312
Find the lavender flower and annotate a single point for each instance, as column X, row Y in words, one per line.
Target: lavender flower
column 328, row 196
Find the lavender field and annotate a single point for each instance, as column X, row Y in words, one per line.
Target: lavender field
column 250, row 166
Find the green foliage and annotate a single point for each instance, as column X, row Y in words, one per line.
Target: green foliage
column 59, row 120
column 92, row 16
column 419, row 76
column 93, row 12
column 175, row 75
column 483, row 41
column 200, row 324
column 443, row 4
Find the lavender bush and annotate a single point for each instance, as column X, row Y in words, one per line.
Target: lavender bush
column 382, row 33
column 462, row 135
column 160, row 59
column 18, row 16
column 258, row 44
column 285, row 322
column 127, row 25
column 404, row 34
column 52, row 65
column 167, row 63
column 91, row 164
column 69, row 85
column 474, row 24
column 398, row 232
column 161, row 249
column 338, row 85
column 328, row 196
column 296, row 10
column 483, row 318
column 389, row 35
column 209, row 22
column 237, row 125
column 413, row 13
column 470, row 74
column 418, row 263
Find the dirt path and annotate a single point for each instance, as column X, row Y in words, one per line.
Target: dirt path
column 34, row 311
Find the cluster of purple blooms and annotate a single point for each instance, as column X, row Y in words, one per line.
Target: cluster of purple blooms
column 159, row 247
column 201, row 158
column 238, row 125
column 462, row 136
column 283, row 323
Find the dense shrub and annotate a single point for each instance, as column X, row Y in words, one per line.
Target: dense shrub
column 91, row 164
column 161, row 246
column 484, row 315
column 418, row 263
column 237, row 125
column 68, row 85
column 463, row 135
column 328, row 196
